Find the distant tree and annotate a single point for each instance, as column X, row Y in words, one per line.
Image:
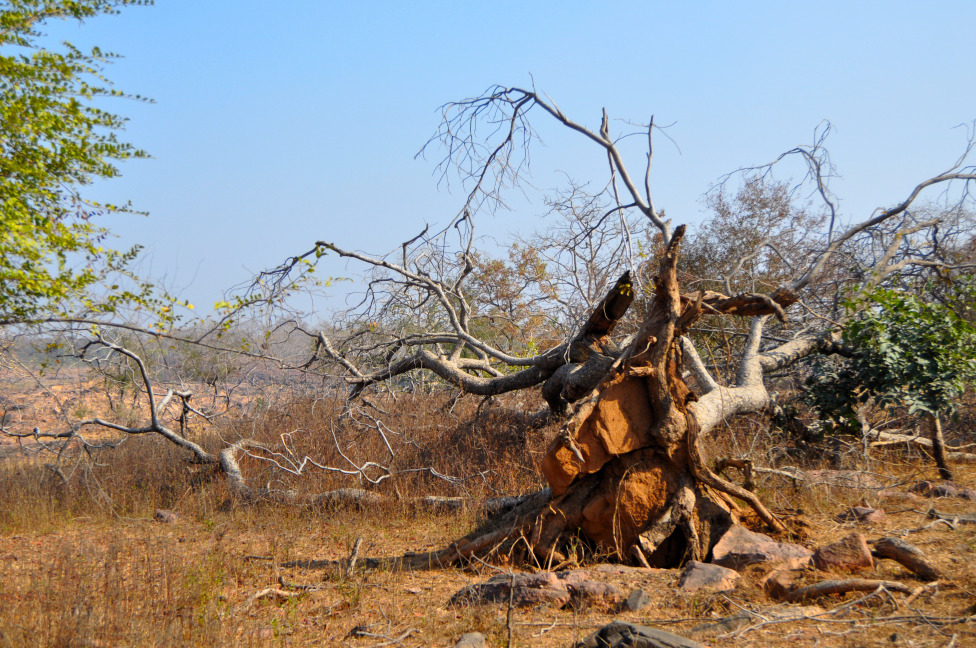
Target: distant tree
column 55, row 138
column 906, row 351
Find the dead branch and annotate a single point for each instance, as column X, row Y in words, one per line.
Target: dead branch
column 271, row 592
column 908, row 555
column 825, row 588
column 963, row 518
column 353, row 557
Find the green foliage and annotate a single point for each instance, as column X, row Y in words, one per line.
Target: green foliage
column 907, row 351
column 54, row 140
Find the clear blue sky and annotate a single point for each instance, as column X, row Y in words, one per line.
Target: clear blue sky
column 276, row 124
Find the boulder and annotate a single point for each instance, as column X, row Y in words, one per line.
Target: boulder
column 740, row 547
column 638, row 600
column 848, row 554
column 698, row 577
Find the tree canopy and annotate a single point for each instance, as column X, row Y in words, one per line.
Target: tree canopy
column 56, row 138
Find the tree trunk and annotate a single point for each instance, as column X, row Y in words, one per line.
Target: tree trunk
column 626, row 474
column 938, row 449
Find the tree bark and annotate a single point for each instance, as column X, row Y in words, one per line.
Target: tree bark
column 938, row 449
column 626, row 472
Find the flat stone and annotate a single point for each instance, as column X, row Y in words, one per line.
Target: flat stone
column 621, row 634
column 848, row 554
column 545, row 588
column 698, row 577
column 740, row 547
column 471, row 640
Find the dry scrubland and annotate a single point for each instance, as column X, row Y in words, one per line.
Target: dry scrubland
column 84, row 563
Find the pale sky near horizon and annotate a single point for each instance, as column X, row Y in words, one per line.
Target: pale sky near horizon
column 277, row 124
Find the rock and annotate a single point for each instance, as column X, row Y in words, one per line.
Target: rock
column 863, row 514
column 545, row 588
column 698, row 577
column 740, row 547
column 638, row 600
column 621, row 634
column 848, row 554
column 895, row 496
column 779, row 582
column 166, row 517
column 945, row 489
column 524, row 590
column 471, row 640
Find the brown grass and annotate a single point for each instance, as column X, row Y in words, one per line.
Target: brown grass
column 83, row 563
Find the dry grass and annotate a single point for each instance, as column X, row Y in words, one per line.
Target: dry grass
column 83, row 563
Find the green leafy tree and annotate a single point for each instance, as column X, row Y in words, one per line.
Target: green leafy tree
column 906, row 351
column 54, row 140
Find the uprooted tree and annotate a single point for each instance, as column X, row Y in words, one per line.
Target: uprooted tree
column 626, row 471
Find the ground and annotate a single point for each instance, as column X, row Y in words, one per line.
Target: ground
column 87, row 564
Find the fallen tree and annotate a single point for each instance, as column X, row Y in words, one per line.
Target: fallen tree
column 627, row 473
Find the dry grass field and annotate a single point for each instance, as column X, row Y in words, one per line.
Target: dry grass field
column 84, row 562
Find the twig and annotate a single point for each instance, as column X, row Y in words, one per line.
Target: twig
column 270, row 592
column 353, row 557
column 918, row 591
column 298, row 586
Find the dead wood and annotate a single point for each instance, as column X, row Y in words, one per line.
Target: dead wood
column 908, row 555
column 626, row 473
column 746, row 304
column 302, row 587
column 271, row 592
column 963, row 518
column 891, row 438
column 353, row 556
column 827, row 587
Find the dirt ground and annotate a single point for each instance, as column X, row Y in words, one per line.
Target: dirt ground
column 82, row 568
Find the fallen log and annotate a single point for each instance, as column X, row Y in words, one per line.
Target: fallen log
column 906, row 554
column 824, row 588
